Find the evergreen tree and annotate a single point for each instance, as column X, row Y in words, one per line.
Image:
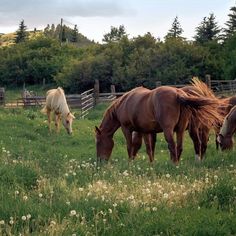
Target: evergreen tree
column 21, row 34
column 115, row 35
column 74, row 36
column 208, row 30
column 176, row 29
column 231, row 23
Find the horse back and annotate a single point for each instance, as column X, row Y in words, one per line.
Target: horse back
column 147, row 110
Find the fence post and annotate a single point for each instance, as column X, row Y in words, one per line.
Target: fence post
column 158, row 83
column 113, row 88
column 2, row 96
column 208, row 80
column 96, row 91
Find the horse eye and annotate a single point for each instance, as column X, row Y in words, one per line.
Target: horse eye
column 67, row 122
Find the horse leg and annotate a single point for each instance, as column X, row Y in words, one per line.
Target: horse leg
column 204, row 140
column 150, row 140
column 128, row 136
column 49, row 120
column 180, row 137
column 194, row 134
column 136, row 143
column 169, row 137
column 57, row 121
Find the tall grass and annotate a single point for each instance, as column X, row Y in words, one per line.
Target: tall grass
column 49, row 184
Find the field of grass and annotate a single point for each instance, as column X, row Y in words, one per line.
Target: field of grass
column 50, row 185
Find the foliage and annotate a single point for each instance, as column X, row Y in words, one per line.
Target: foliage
column 115, row 34
column 123, row 61
column 176, row 29
column 208, row 30
column 21, row 34
column 231, row 23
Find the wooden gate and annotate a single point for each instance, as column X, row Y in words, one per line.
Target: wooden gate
column 87, row 102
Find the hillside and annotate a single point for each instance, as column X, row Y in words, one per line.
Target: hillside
column 8, row 39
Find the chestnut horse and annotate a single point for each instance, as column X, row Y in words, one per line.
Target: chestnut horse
column 225, row 137
column 164, row 109
column 56, row 102
column 199, row 132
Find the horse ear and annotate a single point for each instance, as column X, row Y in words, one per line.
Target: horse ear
column 97, row 130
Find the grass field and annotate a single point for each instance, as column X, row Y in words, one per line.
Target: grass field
column 49, row 184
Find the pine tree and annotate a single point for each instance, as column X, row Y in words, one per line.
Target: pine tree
column 208, row 30
column 231, row 23
column 74, row 36
column 21, row 34
column 176, row 29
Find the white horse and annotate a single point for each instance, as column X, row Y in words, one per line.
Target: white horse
column 56, row 102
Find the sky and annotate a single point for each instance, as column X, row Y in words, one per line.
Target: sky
column 94, row 18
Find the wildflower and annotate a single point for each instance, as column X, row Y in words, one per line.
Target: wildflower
column 110, row 210
column 17, row 192
column 114, row 205
column 2, row 222
column 72, row 212
column 40, row 195
column 28, row 216
column 68, row 203
column 154, row 209
column 25, row 198
column 167, row 175
column 125, row 173
column 52, row 223
column 23, row 218
column 11, row 222
column 165, row 195
column 81, row 189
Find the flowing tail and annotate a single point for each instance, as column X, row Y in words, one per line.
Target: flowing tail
column 204, row 110
column 44, row 110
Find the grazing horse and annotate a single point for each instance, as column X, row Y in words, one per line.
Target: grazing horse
column 225, row 137
column 56, row 102
column 198, row 131
column 164, row 109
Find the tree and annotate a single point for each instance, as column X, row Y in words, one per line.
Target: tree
column 21, row 34
column 115, row 34
column 208, row 30
column 74, row 36
column 176, row 29
column 231, row 23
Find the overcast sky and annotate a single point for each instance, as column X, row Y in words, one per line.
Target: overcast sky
column 95, row 17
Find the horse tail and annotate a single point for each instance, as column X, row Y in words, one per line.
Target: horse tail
column 44, row 110
column 204, row 110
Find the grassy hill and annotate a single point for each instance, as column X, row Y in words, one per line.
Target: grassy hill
column 50, row 185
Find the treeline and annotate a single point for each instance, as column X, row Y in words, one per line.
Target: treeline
column 120, row 60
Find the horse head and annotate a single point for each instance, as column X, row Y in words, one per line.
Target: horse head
column 67, row 122
column 225, row 142
column 104, row 144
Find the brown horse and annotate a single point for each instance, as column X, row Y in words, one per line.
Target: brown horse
column 164, row 109
column 225, row 137
column 198, row 131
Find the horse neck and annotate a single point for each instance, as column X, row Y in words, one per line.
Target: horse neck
column 109, row 125
column 228, row 127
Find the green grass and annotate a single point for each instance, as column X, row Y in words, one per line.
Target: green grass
column 49, row 184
